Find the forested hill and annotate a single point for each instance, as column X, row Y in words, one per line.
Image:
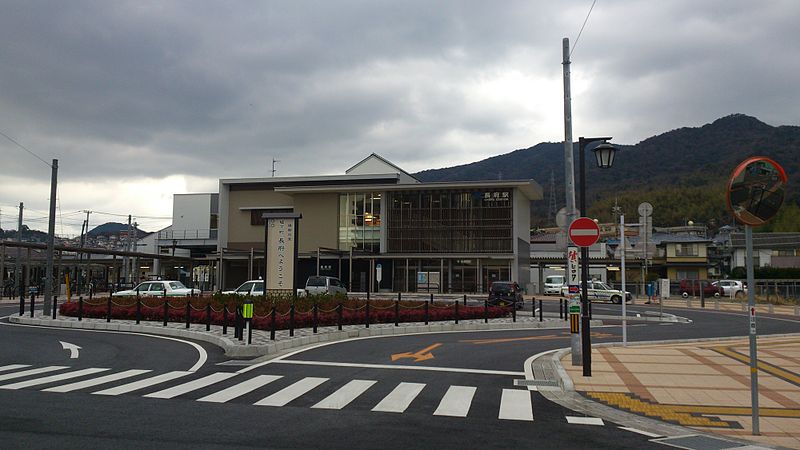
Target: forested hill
column 682, row 172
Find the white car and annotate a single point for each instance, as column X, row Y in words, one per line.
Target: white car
column 252, row 287
column 597, row 290
column 157, row 289
column 553, row 284
column 731, row 288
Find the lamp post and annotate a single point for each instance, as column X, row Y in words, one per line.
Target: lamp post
column 604, row 154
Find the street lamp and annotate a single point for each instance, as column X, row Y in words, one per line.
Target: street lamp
column 604, row 155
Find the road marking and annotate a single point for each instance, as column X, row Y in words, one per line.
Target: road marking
column 516, row 404
column 421, row 355
column 25, row 373
column 773, row 370
column 577, row 420
column 291, row 392
column 240, row 389
column 396, row 367
column 400, row 398
column 73, row 349
column 96, row 381
column 53, row 378
column 141, row 384
column 346, row 394
column 193, row 385
column 201, row 360
column 564, row 335
column 13, row 367
column 456, row 401
column 642, row 432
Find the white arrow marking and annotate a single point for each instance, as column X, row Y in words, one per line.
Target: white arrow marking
column 73, row 349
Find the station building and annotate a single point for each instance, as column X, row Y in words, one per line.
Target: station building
column 443, row 237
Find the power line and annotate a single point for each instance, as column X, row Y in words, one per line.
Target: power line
column 581, row 31
column 24, row 148
column 135, row 215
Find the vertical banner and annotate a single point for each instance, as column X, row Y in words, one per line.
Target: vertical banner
column 573, row 272
column 280, row 254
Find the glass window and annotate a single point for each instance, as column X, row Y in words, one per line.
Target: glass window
column 176, row 285
column 245, row 287
column 359, row 221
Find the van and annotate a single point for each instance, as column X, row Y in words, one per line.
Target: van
column 553, row 283
column 317, row 285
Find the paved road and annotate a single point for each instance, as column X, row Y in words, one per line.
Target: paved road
column 351, row 394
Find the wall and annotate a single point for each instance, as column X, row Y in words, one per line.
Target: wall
column 319, row 226
column 238, row 228
column 520, row 270
column 191, row 211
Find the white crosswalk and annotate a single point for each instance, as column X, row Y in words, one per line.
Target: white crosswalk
column 457, row 401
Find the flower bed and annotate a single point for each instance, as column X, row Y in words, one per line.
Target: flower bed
column 353, row 311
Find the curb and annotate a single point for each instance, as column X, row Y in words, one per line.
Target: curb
column 234, row 349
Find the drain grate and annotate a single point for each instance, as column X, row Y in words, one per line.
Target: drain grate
column 699, row 442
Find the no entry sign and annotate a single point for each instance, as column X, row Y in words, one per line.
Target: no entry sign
column 584, row 232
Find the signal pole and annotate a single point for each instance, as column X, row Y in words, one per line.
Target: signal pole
column 51, row 230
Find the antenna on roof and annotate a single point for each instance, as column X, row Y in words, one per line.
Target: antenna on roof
column 273, row 166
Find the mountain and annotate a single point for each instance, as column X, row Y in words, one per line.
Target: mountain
column 682, row 172
column 113, row 228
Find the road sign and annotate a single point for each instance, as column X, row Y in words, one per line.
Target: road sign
column 753, row 320
column 645, row 209
column 574, row 289
column 584, row 232
column 247, row 309
column 378, row 272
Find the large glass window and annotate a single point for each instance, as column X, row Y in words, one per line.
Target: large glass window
column 360, row 221
column 450, row 221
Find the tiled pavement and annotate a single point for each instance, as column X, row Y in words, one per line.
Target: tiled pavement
column 705, row 385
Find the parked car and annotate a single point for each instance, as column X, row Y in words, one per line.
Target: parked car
column 599, row 291
column 731, row 288
column 694, row 288
column 157, row 289
column 317, row 284
column 554, row 283
column 503, row 293
column 252, row 287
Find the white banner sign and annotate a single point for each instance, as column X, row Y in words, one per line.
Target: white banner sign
column 280, row 254
column 573, row 273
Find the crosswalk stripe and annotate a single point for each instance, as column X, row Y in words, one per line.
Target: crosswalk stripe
column 578, row 420
column 400, row 398
column 141, row 384
column 240, row 389
column 96, row 381
column 13, row 367
column 25, row 373
column 516, row 404
column 456, row 401
column 344, row 395
column 289, row 393
column 53, row 378
column 193, row 385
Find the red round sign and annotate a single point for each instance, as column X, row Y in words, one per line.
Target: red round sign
column 584, row 232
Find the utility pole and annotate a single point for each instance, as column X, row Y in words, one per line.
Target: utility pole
column 273, row 166
column 80, row 259
column 88, row 255
column 125, row 265
column 51, row 230
column 569, row 164
column 18, row 265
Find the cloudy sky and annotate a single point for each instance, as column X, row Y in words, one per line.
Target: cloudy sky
column 139, row 100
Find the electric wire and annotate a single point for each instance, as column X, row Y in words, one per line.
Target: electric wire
column 582, row 26
column 26, row 149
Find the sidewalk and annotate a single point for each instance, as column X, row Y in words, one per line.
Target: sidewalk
column 702, row 385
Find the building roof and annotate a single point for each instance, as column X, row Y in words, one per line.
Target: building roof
column 383, row 161
column 768, row 240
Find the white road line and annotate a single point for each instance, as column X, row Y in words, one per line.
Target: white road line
column 516, row 404
column 397, row 367
column 344, row 395
column 193, row 385
column 577, row 420
column 96, row 381
column 289, row 393
column 456, row 401
column 642, row 432
column 13, row 367
column 240, row 389
column 141, row 384
column 400, row 398
column 53, row 378
column 25, row 373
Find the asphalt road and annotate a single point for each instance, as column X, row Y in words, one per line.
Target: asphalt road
column 424, row 368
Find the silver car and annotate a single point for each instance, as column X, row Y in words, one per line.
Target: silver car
column 317, row 285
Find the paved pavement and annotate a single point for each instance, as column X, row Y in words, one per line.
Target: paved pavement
column 702, row 385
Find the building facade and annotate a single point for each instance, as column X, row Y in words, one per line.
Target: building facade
column 427, row 237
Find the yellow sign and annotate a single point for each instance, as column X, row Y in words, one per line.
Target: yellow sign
column 247, row 310
column 421, row 355
column 69, row 292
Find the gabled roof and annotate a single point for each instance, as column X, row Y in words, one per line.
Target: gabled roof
column 382, row 161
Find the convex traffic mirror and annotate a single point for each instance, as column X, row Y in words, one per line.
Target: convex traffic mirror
column 756, row 190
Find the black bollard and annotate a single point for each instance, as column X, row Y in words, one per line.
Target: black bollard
column 514, row 312
column 397, row 312
column 540, row 311
column 314, row 318
column 272, row 325
column 456, row 302
column 55, row 306
column 431, row 298
column 465, row 299
column 166, row 311
column 339, row 316
column 239, row 324
column 21, row 305
column 80, row 308
column 291, row 320
column 33, row 302
column 426, row 312
column 138, row 310
column 208, row 316
column 366, row 319
column 486, row 311
column 188, row 312
column 224, row 319
column 108, row 310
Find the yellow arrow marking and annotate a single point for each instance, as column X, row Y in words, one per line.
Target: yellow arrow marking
column 421, row 355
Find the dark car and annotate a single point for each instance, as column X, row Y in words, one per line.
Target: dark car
column 695, row 287
column 503, row 293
